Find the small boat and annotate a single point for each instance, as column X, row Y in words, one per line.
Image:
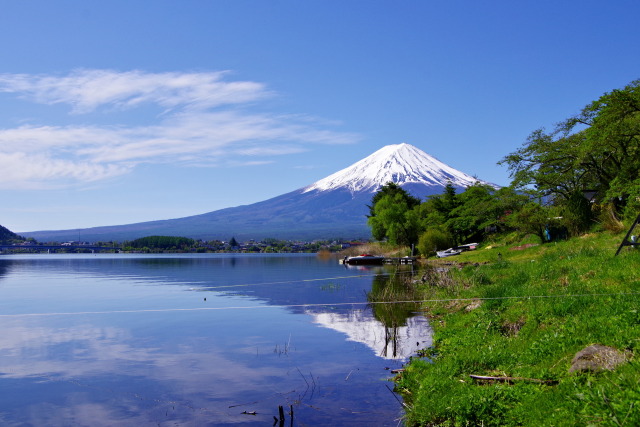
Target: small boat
column 448, row 252
column 467, row 247
column 364, row 259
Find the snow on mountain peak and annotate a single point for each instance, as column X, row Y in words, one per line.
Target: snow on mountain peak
column 400, row 163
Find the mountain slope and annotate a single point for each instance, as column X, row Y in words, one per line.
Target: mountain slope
column 7, row 235
column 333, row 207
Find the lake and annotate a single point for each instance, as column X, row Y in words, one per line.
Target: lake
column 200, row 339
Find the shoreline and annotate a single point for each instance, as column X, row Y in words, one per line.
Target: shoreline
column 527, row 314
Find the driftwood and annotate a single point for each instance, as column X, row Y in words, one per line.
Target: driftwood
column 512, row 379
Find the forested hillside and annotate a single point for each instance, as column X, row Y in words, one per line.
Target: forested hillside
column 8, row 236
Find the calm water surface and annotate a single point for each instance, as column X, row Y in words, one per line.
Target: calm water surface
column 196, row 340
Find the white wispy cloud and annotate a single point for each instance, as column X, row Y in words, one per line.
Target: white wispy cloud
column 87, row 90
column 32, row 171
column 206, row 121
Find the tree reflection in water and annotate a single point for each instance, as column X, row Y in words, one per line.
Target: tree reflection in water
column 393, row 300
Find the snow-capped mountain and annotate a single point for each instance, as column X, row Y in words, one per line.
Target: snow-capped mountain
column 333, row 207
column 400, row 163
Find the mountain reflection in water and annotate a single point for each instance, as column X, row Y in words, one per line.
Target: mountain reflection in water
column 398, row 342
column 199, row 340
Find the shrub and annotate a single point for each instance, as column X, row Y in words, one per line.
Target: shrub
column 434, row 239
column 609, row 220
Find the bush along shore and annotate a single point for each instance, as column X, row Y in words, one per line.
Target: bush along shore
column 533, row 335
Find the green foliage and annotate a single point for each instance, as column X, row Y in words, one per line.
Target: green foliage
column 481, row 207
column 394, row 288
column 461, row 218
column 8, row 236
column 531, row 218
column 536, row 308
column 161, row 242
column 614, row 401
column 434, row 239
column 392, row 189
column 632, row 207
column 598, row 149
column 577, row 214
column 394, row 220
column 446, row 202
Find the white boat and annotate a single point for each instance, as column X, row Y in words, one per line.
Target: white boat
column 467, row 247
column 448, row 252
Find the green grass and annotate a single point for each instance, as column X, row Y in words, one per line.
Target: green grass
column 568, row 295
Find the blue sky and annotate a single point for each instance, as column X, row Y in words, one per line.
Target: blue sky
column 119, row 112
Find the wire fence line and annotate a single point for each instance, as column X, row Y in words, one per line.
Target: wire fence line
column 362, row 303
column 283, row 282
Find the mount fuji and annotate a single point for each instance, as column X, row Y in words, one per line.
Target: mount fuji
column 333, row 207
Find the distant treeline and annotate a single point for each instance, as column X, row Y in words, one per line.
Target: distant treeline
column 183, row 244
column 161, row 242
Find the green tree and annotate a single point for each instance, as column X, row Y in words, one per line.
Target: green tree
column 469, row 215
column 446, row 202
column 434, row 239
column 429, row 216
column 532, row 218
column 443, row 211
column 394, row 220
column 391, row 215
column 391, row 188
column 474, row 212
column 162, row 243
column 598, row 149
column 576, row 212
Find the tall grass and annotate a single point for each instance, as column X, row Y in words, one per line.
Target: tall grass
column 537, row 308
column 376, row 248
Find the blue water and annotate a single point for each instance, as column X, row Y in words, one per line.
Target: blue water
column 195, row 340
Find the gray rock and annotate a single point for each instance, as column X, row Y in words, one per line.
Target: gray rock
column 597, row 358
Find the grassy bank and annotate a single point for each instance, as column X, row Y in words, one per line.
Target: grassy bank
column 525, row 313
